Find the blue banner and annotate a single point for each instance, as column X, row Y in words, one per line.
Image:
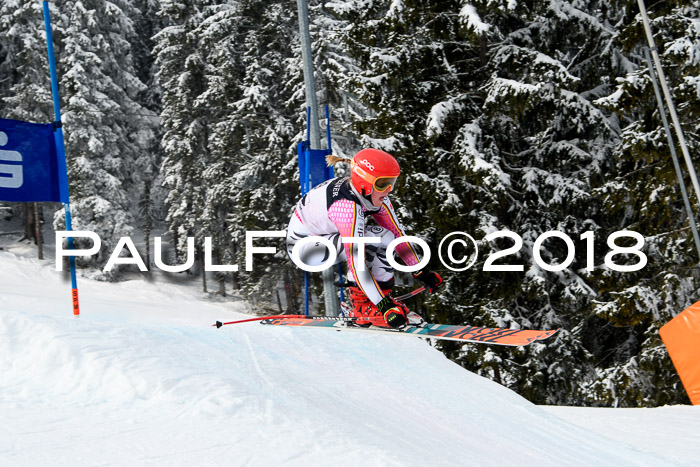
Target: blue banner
column 312, row 166
column 29, row 165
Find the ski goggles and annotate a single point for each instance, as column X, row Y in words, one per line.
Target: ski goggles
column 381, row 184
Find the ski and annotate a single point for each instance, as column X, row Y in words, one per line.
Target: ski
column 474, row 334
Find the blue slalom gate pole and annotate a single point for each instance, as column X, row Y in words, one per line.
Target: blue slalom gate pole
column 61, row 153
column 305, row 186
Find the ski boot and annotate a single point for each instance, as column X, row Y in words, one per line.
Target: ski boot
column 363, row 309
column 369, row 315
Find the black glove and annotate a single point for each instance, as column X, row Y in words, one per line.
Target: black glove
column 394, row 312
column 431, row 280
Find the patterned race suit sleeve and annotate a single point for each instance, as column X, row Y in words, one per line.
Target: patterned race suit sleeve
column 349, row 218
column 386, row 217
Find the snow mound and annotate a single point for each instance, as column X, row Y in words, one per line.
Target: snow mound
column 142, row 378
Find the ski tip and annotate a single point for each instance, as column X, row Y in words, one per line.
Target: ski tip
column 548, row 334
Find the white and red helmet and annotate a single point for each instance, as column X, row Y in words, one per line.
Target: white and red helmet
column 372, row 169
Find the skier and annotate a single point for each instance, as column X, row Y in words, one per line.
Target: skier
column 336, row 209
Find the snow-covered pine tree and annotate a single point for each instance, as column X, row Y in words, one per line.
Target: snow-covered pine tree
column 107, row 131
column 334, row 66
column 489, row 108
column 147, row 23
column 220, row 35
column 642, row 193
column 27, row 87
column 261, row 127
column 25, row 91
column 230, row 129
column 417, row 73
column 5, row 57
column 407, row 58
column 185, row 119
column 4, row 86
column 536, row 154
column 151, row 202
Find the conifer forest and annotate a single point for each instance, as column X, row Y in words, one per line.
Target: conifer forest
column 181, row 120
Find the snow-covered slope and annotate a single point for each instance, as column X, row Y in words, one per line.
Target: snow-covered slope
column 142, row 378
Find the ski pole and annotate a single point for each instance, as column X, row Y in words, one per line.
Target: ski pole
column 218, row 324
column 410, row 294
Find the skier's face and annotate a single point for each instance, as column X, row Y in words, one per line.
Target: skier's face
column 378, row 196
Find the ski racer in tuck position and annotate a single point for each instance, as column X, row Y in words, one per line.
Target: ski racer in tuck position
column 336, row 209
